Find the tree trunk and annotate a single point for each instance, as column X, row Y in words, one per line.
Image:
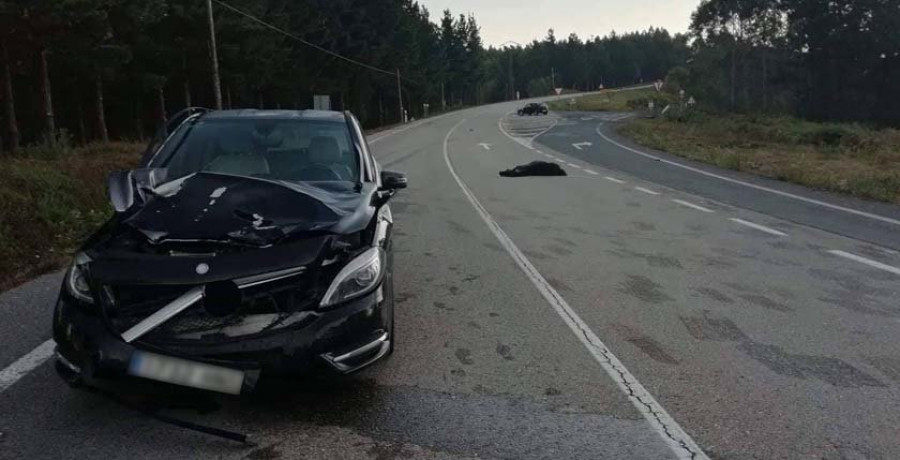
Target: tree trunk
column 161, row 98
column 734, row 76
column 765, row 80
column 82, row 131
column 187, row 83
column 259, row 100
column 99, row 110
column 9, row 107
column 46, row 94
column 138, row 119
column 228, row 98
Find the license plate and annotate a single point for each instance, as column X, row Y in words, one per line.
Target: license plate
column 186, row 373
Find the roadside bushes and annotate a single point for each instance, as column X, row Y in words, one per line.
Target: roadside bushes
column 846, row 158
column 51, row 197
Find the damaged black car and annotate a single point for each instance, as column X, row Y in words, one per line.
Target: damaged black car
column 247, row 243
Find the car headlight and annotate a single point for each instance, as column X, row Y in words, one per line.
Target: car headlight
column 76, row 280
column 359, row 277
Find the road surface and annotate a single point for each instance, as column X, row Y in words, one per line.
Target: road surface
column 641, row 307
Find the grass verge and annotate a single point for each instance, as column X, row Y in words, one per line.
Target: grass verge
column 50, row 200
column 613, row 101
column 845, row 158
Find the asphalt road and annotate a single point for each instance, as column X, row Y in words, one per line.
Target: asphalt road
column 634, row 309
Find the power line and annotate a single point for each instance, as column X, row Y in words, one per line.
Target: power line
column 305, row 42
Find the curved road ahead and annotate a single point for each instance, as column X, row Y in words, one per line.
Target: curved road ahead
column 642, row 307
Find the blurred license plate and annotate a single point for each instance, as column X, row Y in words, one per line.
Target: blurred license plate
column 186, row 373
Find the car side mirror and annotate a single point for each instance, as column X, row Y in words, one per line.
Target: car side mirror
column 391, row 180
column 121, row 190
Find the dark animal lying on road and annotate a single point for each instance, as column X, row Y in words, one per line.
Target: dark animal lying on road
column 535, row 168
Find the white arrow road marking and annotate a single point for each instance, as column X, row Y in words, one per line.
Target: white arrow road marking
column 868, row 262
column 761, row 228
column 582, row 145
column 486, row 146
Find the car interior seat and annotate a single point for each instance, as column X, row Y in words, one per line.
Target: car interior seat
column 326, row 161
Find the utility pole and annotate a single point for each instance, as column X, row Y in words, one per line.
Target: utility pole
column 553, row 77
column 217, row 86
column 400, row 97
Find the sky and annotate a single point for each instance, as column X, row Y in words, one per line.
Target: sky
column 526, row 20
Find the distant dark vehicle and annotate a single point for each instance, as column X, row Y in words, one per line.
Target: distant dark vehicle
column 248, row 242
column 533, row 109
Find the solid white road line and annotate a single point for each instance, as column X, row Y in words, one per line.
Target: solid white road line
column 591, row 172
column 693, row 206
column 668, row 429
column 646, row 190
column 753, row 186
column 761, row 228
column 613, row 179
column 15, row 371
column 863, row 260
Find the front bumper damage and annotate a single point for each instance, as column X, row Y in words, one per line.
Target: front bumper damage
column 343, row 339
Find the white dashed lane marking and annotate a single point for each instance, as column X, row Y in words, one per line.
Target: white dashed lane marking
column 574, row 165
column 747, row 184
column 761, row 228
column 693, row 206
column 869, row 262
column 646, row 190
column 591, row 172
column 613, row 179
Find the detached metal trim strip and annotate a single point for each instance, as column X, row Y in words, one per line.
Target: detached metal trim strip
column 164, row 314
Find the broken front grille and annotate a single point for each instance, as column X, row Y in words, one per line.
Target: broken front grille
column 264, row 304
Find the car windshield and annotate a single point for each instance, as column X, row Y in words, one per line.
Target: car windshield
column 295, row 150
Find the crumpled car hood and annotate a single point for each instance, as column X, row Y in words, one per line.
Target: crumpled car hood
column 258, row 212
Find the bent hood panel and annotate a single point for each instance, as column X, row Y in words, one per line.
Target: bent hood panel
column 220, row 207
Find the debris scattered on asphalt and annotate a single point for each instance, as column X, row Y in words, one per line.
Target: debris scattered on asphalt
column 535, row 168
